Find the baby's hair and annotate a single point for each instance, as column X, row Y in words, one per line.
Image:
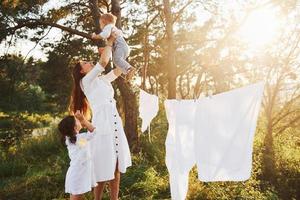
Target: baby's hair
column 110, row 18
column 66, row 127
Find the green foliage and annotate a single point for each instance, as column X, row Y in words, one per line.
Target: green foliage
column 17, row 126
column 19, row 89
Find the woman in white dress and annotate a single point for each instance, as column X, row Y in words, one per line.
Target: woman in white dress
column 110, row 150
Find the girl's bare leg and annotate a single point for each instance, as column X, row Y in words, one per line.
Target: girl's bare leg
column 114, row 185
column 98, row 190
column 75, row 197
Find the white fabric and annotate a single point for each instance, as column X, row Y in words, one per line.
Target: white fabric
column 108, row 29
column 148, row 108
column 80, row 176
column 180, row 149
column 225, row 130
column 216, row 133
column 110, row 144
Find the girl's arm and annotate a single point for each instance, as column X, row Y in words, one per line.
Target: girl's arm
column 84, row 122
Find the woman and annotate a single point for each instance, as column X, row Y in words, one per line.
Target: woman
column 110, row 151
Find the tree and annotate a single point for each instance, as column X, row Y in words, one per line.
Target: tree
column 16, row 22
column 171, row 51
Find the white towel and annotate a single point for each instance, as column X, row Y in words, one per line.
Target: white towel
column 224, row 133
column 148, row 108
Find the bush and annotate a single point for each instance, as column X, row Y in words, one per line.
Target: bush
column 12, row 168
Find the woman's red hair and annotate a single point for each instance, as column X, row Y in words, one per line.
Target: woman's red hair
column 78, row 99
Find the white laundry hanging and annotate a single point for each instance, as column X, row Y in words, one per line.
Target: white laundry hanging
column 148, row 108
column 180, row 149
column 224, row 136
column 216, row 133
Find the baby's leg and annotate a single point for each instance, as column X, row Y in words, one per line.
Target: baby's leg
column 119, row 59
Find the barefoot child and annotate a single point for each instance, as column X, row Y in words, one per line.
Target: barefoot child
column 80, row 175
column 120, row 48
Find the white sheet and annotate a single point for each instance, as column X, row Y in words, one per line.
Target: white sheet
column 224, row 136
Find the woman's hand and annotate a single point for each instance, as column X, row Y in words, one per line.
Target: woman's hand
column 95, row 36
column 100, row 50
column 111, row 39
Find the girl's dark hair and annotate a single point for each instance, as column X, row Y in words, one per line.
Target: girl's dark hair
column 78, row 99
column 66, row 127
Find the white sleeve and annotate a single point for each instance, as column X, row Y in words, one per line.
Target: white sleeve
column 110, row 76
column 92, row 75
column 105, row 33
column 89, row 135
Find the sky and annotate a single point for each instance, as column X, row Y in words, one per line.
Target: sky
column 24, row 46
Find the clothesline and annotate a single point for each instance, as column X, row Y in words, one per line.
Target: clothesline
column 203, row 70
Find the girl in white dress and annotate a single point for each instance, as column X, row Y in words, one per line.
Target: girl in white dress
column 110, row 148
column 80, row 176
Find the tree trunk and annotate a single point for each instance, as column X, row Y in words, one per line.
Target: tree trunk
column 171, row 51
column 269, row 171
column 268, row 155
column 128, row 96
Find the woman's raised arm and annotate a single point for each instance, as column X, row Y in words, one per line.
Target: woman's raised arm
column 99, row 67
column 112, row 75
column 92, row 75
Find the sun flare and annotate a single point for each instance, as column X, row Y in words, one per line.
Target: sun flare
column 260, row 28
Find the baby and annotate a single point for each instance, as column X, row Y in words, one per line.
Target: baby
column 120, row 50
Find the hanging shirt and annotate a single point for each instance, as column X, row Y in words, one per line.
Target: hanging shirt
column 148, row 108
column 224, row 136
column 180, row 148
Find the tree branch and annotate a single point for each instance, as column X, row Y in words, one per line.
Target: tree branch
column 33, row 23
column 178, row 14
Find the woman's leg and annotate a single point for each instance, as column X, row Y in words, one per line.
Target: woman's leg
column 105, row 56
column 75, row 197
column 98, row 190
column 114, row 185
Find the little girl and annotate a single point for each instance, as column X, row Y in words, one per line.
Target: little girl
column 80, row 175
column 120, row 48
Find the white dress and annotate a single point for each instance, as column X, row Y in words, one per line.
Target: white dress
column 110, row 144
column 80, row 176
